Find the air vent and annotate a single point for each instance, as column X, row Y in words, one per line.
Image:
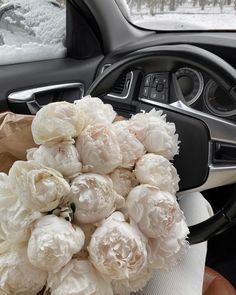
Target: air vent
column 119, row 86
column 122, row 86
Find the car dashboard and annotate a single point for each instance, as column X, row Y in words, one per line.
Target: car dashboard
column 169, row 82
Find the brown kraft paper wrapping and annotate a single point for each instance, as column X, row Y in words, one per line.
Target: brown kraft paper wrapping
column 15, row 138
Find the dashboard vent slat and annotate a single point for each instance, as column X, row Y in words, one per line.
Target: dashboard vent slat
column 119, row 86
column 122, row 86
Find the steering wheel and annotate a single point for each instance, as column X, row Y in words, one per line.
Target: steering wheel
column 201, row 135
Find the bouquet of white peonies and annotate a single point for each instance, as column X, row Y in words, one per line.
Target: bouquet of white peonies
column 93, row 209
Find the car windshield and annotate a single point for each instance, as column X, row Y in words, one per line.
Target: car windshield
column 181, row 14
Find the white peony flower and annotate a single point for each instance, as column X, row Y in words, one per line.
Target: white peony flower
column 117, row 249
column 62, row 157
column 17, row 221
column 57, row 122
column 95, row 111
column 123, row 181
column 80, row 278
column 7, row 196
column 38, row 187
column 94, row 197
column 155, row 212
column 165, row 253
column 99, row 149
column 157, row 135
column 131, row 148
column 53, row 242
column 157, row 171
column 126, row 286
column 18, row 276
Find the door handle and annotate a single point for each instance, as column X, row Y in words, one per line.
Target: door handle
column 28, row 96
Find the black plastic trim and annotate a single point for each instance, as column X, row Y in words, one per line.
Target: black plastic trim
column 83, row 35
column 43, row 73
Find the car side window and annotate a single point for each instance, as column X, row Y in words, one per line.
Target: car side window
column 32, row 30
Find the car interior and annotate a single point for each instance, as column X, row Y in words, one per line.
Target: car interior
column 189, row 75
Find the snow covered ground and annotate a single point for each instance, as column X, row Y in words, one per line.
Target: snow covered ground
column 188, row 22
column 187, row 17
column 32, row 30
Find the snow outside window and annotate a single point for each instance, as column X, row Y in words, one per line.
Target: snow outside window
column 32, row 30
column 181, row 14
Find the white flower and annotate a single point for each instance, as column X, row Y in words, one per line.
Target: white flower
column 62, row 157
column 126, row 286
column 123, row 181
column 53, row 242
column 131, row 148
column 117, row 249
column 155, row 212
column 165, row 253
column 95, row 111
column 157, row 171
column 18, row 276
column 99, row 149
column 7, row 196
column 94, row 197
column 17, row 221
column 80, row 278
column 157, row 135
column 56, row 122
column 38, row 187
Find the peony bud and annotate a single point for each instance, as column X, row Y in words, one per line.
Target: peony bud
column 131, row 148
column 62, row 157
column 157, row 171
column 99, row 149
column 94, row 197
column 80, row 278
column 57, row 122
column 38, row 187
column 53, row 242
column 18, row 276
column 157, row 135
column 123, row 181
column 95, row 111
column 117, row 249
column 155, row 212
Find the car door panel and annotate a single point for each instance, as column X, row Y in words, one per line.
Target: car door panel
column 44, row 73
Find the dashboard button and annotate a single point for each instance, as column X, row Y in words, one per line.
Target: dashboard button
column 153, row 94
column 145, row 91
column 147, row 80
column 160, row 87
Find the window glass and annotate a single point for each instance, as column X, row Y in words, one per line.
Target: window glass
column 181, row 14
column 32, row 30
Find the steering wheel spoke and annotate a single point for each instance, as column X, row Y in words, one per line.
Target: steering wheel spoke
column 221, row 133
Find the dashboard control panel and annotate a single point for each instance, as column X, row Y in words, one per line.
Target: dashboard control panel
column 198, row 90
column 156, row 87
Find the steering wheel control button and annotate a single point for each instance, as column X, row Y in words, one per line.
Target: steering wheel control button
column 147, row 81
column 160, row 87
column 153, row 94
column 155, row 87
column 160, row 78
column 145, row 91
column 160, row 96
